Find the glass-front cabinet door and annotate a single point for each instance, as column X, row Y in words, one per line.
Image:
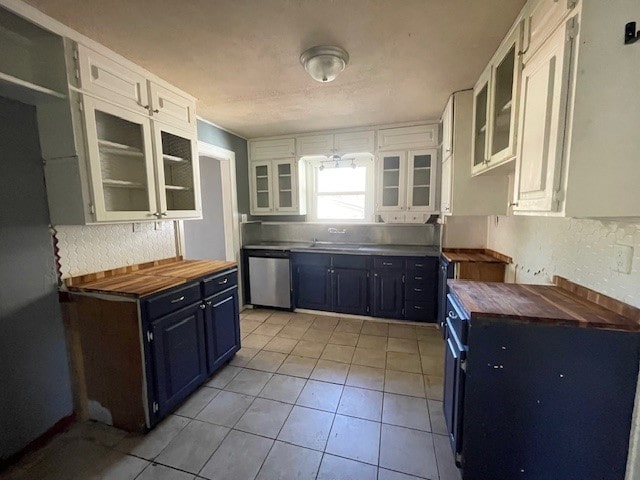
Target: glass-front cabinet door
column 421, row 168
column 284, row 188
column 480, row 122
column 178, row 172
column 262, row 194
column 119, row 146
column 505, row 78
column 391, row 192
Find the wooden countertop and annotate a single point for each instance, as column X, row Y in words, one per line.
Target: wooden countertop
column 549, row 304
column 474, row 255
column 146, row 279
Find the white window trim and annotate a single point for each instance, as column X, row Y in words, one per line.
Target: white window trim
column 312, row 186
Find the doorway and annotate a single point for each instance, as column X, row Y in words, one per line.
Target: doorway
column 217, row 235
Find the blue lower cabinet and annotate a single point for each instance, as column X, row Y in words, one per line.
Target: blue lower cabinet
column 350, row 291
column 179, row 357
column 388, row 293
column 222, row 328
column 312, row 287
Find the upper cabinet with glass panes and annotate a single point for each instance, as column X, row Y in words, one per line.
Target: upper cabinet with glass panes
column 133, row 153
column 276, row 178
column 495, row 108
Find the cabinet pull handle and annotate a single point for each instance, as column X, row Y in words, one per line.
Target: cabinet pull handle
column 155, row 110
column 387, row 264
column 417, row 289
column 417, row 307
column 513, row 204
column 179, row 299
column 452, row 315
column 419, row 265
column 223, row 282
column 418, row 278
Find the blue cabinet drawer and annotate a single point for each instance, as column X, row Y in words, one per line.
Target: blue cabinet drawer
column 389, row 263
column 316, row 259
column 423, row 292
column 220, row 282
column 359, row 262
column 421, row 311
column 172, row 300
column 426, row 264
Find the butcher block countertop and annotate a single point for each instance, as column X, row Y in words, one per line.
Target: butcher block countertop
column 146, row 279
column 565, row 304
column 474, row 255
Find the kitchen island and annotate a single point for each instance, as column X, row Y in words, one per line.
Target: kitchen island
column 540, row 380
column 146, row 336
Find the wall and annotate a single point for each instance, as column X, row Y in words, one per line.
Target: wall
column 93, row 248
column 216, row 136
column 34, row 373
column 578, row 249
column 464, row 232
column 205, row 239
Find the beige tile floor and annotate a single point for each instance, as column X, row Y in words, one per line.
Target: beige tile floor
column 307, row 397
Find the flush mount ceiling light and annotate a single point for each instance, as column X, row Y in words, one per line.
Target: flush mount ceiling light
column 324, row 62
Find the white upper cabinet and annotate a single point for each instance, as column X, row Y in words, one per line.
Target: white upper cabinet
column 335, row 144
column 421, row 136
column 406, row 185
column 545, row 82
column 270, row 149
column 107, row 79
column 314, row 145
column 276, row 177
column 119, row 142
column 447, row 129
column 496, row 106
column 461, row 193
column 172, row 108
column 542, row 20
column 354, row 142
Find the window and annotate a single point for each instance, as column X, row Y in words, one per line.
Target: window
column 341, row 190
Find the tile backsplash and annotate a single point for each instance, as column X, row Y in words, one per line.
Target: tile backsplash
column 93, row 248
column 341, row 233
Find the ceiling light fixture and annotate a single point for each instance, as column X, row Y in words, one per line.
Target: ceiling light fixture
column 324, row 62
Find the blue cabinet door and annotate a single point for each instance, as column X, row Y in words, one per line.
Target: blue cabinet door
column 350, row 291
column 222, row 326
column 179, row 356
column 313, row 287
column 388, row 294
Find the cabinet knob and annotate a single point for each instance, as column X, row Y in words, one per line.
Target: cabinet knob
column 513, row 204
column 202, row 306
column 163, row 214
column 155, row 110
column 209, row 303
column 452, row 315
column 177, row 300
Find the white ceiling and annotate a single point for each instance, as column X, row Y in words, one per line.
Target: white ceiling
column 240, row 58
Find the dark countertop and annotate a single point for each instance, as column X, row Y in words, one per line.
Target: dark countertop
column 548, row 304
column 351, row 249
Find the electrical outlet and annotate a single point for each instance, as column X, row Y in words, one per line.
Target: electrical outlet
column 622, row 258
column 137, row 227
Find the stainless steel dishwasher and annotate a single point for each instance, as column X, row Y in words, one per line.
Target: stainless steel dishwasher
column 269, row 278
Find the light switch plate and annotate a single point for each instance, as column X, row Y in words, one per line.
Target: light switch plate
column 622, row 258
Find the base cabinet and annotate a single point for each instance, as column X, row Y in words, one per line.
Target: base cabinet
column 388, row 294
column 386, row 287
column 188, row 332
column 179, row 352
column 222, row 329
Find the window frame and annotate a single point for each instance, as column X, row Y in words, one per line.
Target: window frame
column 363, row 160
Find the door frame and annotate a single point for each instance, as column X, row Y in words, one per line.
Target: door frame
column 230, row 216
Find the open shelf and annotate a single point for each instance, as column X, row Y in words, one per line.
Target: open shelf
column 177, row 188
column 174, row 158
column 122, row 184
column 26, row 92
column 119, row 149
